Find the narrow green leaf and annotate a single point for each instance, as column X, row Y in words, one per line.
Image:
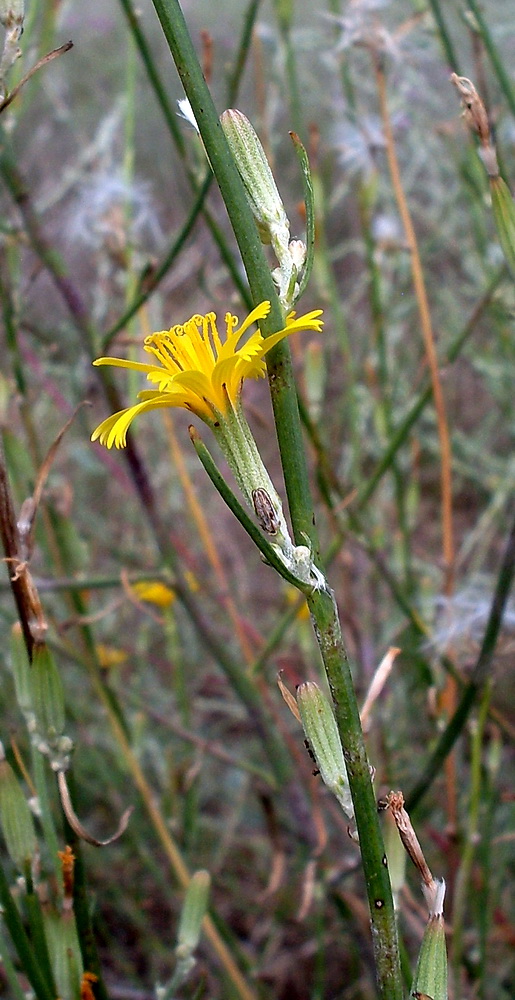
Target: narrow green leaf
column 15, row 818
column 503, row 207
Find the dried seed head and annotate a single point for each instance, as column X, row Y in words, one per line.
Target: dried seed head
column 12, row 13
column 474, row 111
column 265, row 511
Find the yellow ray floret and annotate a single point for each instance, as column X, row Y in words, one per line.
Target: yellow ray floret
column 196, row 369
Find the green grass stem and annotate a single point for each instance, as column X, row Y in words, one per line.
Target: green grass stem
column 9, row 970
column 445, row 38
column 177, row 133
column 493, row 54
column 462, row 887
column 23, row 945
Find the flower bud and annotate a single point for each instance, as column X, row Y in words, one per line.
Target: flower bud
column 193, row 913
column 15, row 817
column 322, row 733
column 431, row 973
column 47, row 694
column 254, row 169
column 298, row 252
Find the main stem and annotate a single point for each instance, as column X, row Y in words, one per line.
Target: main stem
column 322, row 605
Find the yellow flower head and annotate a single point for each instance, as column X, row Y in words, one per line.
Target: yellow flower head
column 154, row 592
column 198, row 370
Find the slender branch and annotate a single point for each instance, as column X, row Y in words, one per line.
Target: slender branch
column 399, row 436
column 445, row 38
column 150, row 284
column 40, row 63
column 172, row 123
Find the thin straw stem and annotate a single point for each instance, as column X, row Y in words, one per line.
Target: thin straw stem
column 426, row 330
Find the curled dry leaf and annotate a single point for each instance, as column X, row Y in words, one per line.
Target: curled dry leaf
column 75, row 823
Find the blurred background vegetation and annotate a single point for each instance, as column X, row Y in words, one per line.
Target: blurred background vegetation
column 99, row 181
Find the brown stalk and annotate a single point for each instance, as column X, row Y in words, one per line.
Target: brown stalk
column 28, row 604
column 427, row 331
column 39, row 65
column 448, row 548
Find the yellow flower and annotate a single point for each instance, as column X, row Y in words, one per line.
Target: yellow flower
column 154, row 592
column 197, row 369
column 109, row 656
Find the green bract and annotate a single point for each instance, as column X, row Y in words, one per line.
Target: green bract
column 322, row 733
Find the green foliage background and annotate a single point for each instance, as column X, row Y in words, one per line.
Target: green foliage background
column 103, row 183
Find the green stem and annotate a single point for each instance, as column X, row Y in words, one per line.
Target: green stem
column 365, row 199
column 325, row 281
column 284, row 400
column 37, row 933
column 279, row 365
column 153, row 281
column 399, row 436
column 172, row 122
column 82, row 909
column 489, row 863
column 148, row 60
column 243, row 51
column 47, row 820
column 284, row 11
column 384, row 931
column 293, row 81
column 445, row 37
column 495, row 58
column 309, row 202
column 50, row 585
column 267, row 550
column 24, row 947
column 9, row 971
column 9, row 318
column 463, row 879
